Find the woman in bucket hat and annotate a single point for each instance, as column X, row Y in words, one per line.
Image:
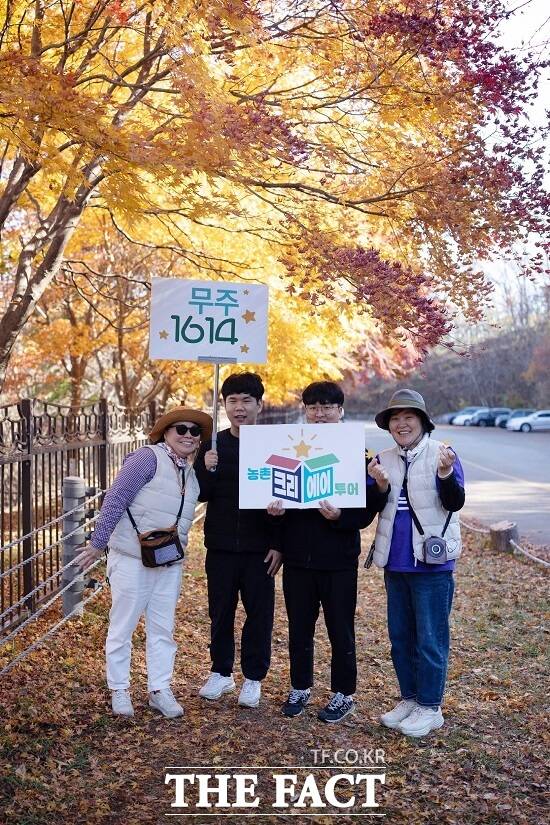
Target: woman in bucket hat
column 155, row 489
column 417, row 543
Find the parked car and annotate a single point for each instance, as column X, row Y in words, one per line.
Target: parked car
column 539, row 420
column 445, row 418
column 487, row 418
column 464, row 417
column 501, row 420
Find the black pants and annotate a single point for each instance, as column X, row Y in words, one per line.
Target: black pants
column 305, row 591
column 230, row 575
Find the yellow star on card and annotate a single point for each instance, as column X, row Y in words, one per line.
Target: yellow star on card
column 245, row 348
column 163, row 334
column 302, row 449
column 249, row 316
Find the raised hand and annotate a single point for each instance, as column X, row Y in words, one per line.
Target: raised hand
column 447, row 458
column 379, row 474
column 211, row 459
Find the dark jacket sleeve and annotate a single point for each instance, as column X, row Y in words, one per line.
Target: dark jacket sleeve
column 275, row 532
column 352, row 518
column 451, row 493
column 360, row 517
column 376, row 501
column 356, row 518
column 204, row 477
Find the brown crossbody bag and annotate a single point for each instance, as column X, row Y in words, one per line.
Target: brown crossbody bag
column 162, row 547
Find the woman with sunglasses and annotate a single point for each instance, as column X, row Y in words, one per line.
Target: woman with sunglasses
column 155, row 489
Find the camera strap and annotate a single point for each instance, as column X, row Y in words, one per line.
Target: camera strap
column 132, row 520
column 411, row 510
column 447, row 520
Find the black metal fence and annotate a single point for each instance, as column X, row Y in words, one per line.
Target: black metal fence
column 40, row 444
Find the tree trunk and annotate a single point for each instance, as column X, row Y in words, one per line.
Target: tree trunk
column 29, row 286
column 77, row 372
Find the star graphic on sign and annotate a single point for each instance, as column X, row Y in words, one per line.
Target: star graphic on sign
column 302, row 449
column 245, row 348
column 163, row 334
column 245, row 292
column 249, row 316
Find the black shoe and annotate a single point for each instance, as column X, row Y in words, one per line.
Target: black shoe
column 296, row 702
column 338, row 707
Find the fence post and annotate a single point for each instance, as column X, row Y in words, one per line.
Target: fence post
column 74, row 495
column 502, row 533
column 104, row 445
column 27, row 489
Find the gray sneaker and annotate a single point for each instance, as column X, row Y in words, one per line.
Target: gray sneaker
column 216, row 685
column 250, row 694
column 166, row 702
column 337, row 709
column 394, row 717
column 296, row 702
column 121, row 703
column 421, row 721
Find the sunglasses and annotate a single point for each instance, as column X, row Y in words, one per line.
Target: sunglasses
column 182, row 429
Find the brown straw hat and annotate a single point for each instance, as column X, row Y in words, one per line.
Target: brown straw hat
column 180, row 414
column 405, row 400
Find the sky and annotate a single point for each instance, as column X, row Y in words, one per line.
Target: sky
column 529, row 29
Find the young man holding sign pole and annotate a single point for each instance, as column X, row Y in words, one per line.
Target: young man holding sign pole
column 239, row 559
column 320, row 550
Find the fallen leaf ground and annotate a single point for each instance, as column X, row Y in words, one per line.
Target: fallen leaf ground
column 67, row 760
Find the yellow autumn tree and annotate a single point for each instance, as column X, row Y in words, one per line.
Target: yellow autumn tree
column 350, row 137
column 91, row 333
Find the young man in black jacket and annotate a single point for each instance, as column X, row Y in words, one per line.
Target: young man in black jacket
column 320, row 551
column 239, row 558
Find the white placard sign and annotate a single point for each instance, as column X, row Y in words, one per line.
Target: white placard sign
column 302, row 464
column 208, row 321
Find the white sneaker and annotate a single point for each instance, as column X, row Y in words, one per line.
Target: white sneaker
column 392, row 718
column 421, row 721
column 121, row 703
column 166, row 702
column 216, row 685
column 249, row 696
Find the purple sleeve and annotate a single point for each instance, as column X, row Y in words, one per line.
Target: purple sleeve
column 137, row 470
column 459, row 472
column 451, row 489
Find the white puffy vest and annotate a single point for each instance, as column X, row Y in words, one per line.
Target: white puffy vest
column 156, row 505
column 424, row 499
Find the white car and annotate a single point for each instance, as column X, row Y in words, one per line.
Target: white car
column 464, row 417
column 539, row 420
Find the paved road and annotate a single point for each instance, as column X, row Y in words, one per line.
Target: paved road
column 507, row 474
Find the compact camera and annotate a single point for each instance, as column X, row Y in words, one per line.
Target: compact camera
column 435, row 550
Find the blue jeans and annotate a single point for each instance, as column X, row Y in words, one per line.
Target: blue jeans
column 419, row 605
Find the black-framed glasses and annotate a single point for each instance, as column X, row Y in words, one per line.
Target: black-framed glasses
column 182, row 429
column 313, row 408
